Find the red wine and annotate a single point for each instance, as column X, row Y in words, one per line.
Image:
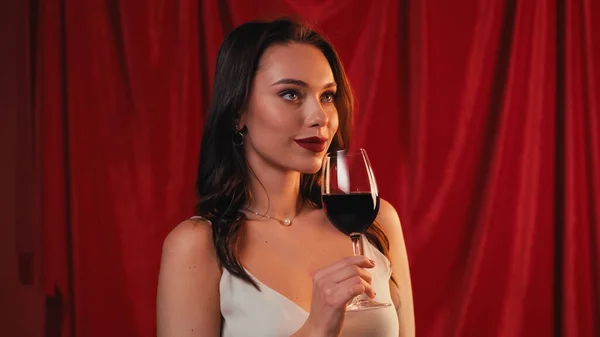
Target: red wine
column 351, row 213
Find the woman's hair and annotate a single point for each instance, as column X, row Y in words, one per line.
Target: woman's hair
column 222, row 180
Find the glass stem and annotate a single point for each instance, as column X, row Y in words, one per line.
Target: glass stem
column 357, row 244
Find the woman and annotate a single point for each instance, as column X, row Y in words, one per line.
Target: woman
column 238, row 268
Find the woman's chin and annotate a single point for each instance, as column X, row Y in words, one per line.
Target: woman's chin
column 303, row 164
column 311, row 168
column 311, row 171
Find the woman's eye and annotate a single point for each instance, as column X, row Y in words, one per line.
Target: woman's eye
column 328, row 97
column 290, row 95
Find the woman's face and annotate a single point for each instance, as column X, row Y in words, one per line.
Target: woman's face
column 291, row 116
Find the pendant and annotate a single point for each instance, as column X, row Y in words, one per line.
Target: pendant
column 287, row 222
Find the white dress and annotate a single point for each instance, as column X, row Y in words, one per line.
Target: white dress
column 248, row 312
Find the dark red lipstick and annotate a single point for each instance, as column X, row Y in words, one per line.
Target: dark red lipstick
column 313, row 144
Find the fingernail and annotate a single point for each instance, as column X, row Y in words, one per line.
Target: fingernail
column 372, row 261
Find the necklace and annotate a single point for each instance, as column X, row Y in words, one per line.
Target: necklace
column 285, row 221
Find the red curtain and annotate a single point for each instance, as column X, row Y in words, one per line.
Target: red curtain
column 481, row 119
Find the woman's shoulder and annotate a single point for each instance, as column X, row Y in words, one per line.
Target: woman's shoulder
column 188, row 270
column 386, row 210
column 388, row 219
column 191, row 237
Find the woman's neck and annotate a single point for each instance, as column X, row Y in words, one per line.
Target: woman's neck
column 275, row 192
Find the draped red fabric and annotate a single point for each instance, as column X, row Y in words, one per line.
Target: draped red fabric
column 481, row 118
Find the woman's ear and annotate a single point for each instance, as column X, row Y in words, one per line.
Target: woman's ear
column 241, row 121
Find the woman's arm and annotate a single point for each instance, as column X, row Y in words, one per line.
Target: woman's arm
column 188, row 286
column 402, row 296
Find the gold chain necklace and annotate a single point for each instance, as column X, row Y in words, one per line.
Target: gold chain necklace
column 285, row 221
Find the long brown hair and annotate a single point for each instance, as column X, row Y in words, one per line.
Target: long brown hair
column 222, row 179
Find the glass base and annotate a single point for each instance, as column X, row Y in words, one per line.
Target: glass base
column 363, row 305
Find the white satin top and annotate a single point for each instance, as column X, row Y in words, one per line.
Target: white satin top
column 248, row 312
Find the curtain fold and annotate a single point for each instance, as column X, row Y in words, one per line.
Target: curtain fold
column 580, row 274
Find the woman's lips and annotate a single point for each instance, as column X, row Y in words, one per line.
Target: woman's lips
column 313, row 144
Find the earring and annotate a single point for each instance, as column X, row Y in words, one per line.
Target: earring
column 238, row 138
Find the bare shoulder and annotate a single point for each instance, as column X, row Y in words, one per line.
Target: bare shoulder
column 188, row 282
column 389, row 221
column 190, row 236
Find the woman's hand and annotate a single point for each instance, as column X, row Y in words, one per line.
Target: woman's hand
column 333, row 287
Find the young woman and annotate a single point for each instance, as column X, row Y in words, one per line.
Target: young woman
column 260, row 258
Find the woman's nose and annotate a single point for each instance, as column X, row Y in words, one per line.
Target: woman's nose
column 317, row 116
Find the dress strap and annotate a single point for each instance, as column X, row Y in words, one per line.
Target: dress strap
column 372, row 252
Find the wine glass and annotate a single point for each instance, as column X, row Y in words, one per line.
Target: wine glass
column 351, row 202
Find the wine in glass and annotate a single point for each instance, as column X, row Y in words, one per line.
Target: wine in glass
column 351, row 202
